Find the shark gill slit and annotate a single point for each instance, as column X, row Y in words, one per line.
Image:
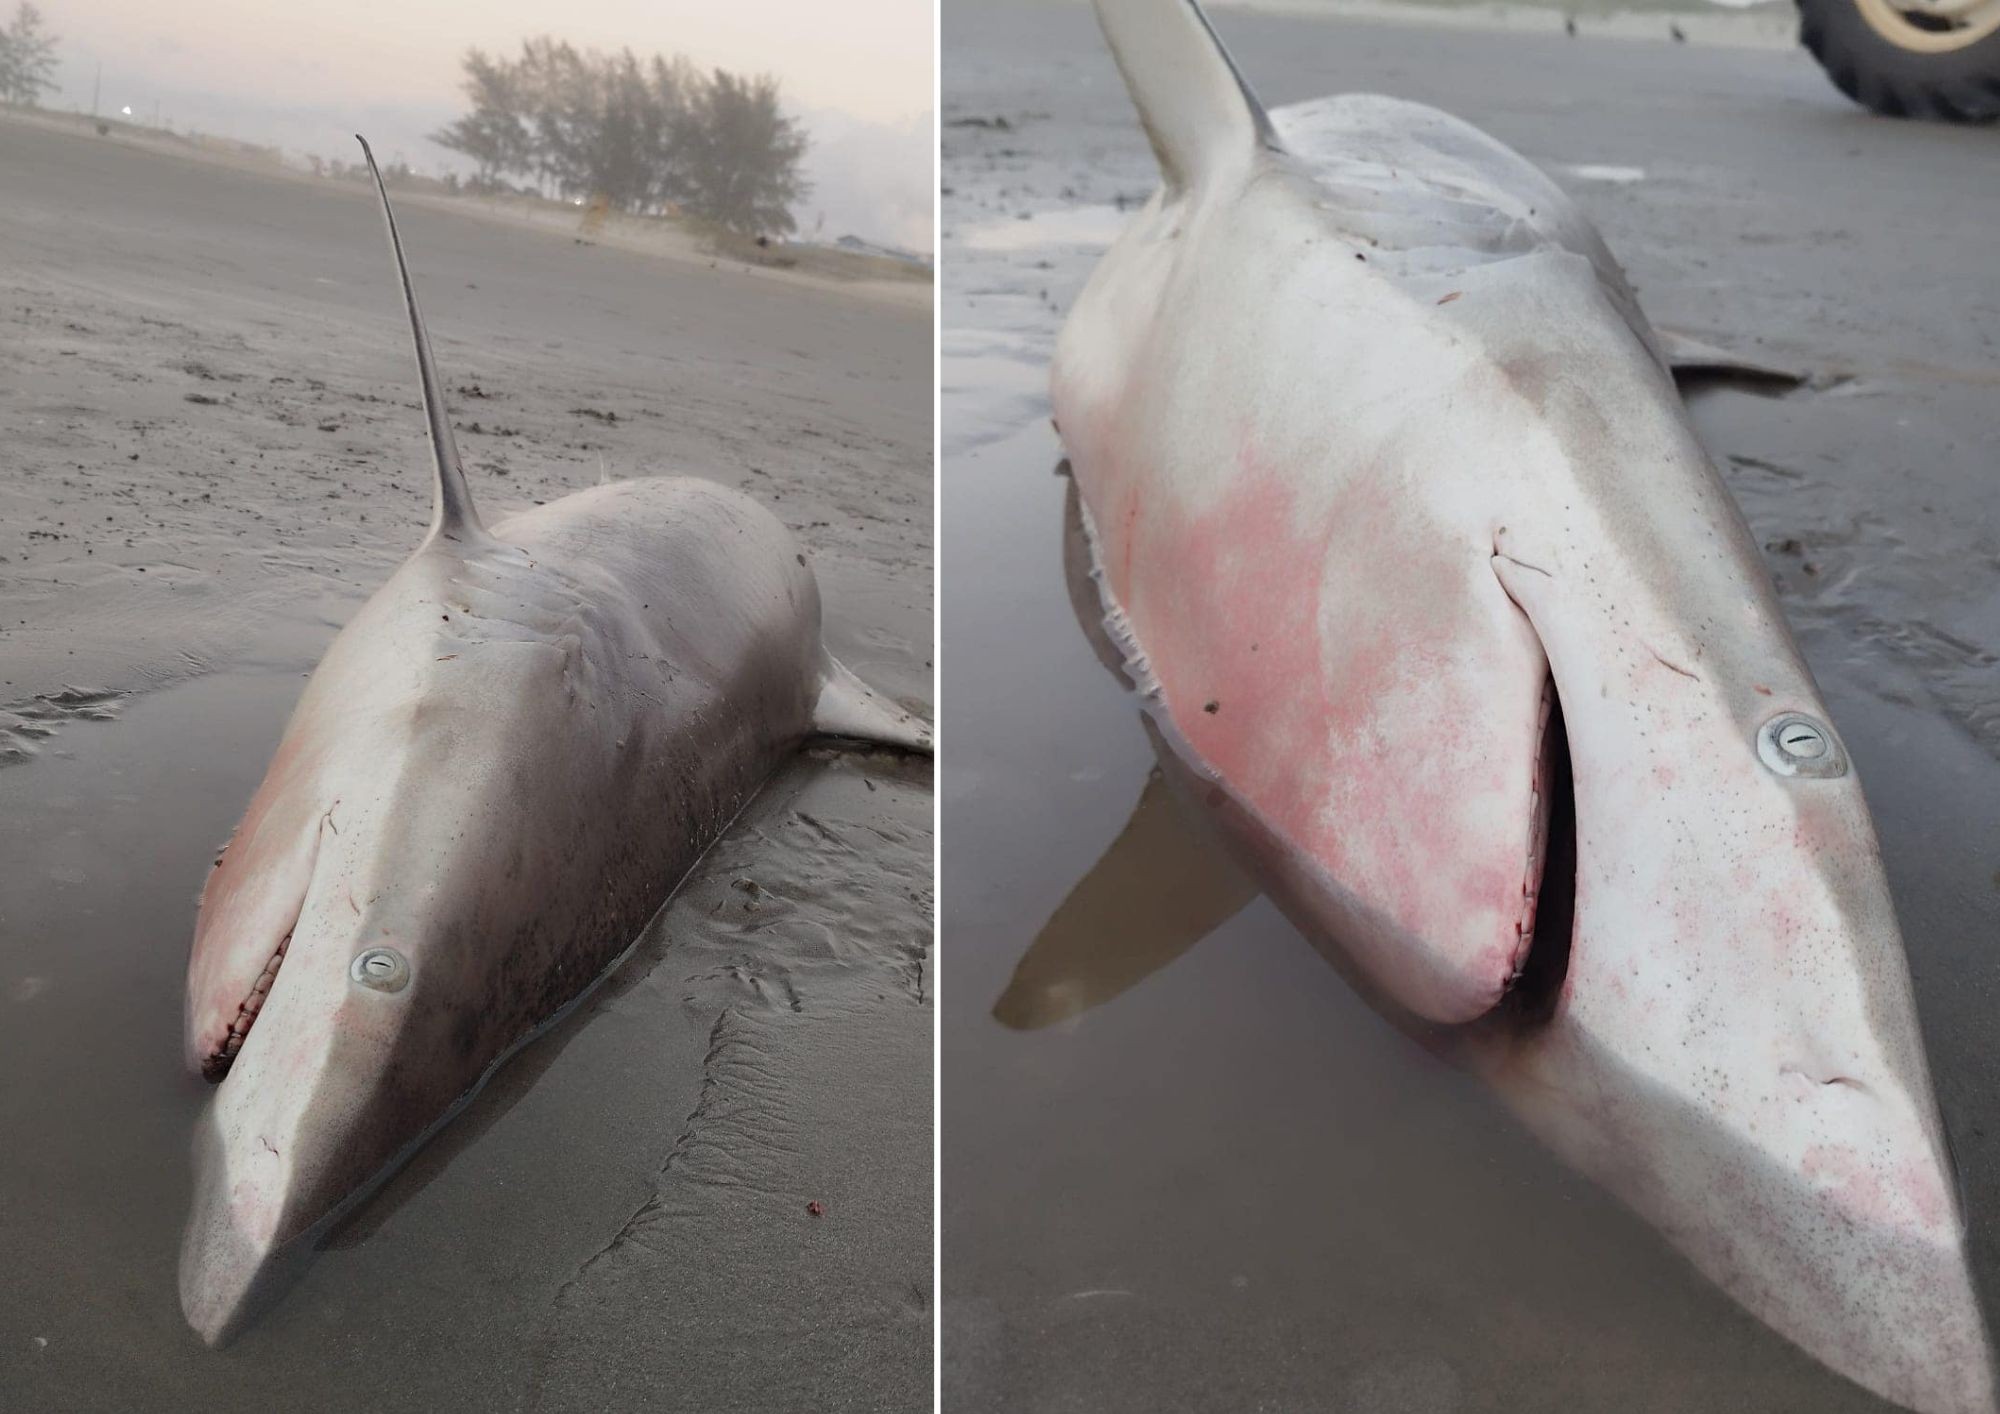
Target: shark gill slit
column 1536, row 987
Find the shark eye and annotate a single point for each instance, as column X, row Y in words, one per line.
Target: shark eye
column 383, row 969
column 1793, row 744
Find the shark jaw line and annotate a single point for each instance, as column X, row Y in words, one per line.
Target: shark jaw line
column 1548, row 914
column 215, row 1065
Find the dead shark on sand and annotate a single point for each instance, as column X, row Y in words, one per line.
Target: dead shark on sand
column 1400, row 526
column 502, row 767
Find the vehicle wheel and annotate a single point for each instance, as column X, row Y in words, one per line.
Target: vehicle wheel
column 1937, row 59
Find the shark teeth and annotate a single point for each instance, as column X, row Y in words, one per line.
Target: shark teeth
column 217, row 1064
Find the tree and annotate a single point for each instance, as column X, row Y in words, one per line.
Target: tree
column 496, row 134
column 745, row 154
column 27, row 58
column 640, row 136
column 609, row 126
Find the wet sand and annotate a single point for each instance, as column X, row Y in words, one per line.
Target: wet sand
column 214, row 454
column 1231, row 1185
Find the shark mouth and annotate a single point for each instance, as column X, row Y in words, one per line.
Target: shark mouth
column 216, row 1064
column 1548, row 914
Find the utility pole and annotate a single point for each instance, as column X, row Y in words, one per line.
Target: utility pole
column 96, row 86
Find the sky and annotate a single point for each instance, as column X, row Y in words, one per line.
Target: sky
column 306, row 75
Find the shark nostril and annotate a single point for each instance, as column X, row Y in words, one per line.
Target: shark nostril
column 383, row 969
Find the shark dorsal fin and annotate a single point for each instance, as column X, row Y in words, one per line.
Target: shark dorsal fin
column 1198, row 112
column 452, row 514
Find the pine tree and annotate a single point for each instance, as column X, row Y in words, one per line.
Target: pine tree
column 745, row 157
column 27, row 58
column 640, row 136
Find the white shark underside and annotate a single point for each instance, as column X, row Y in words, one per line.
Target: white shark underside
column 499, row 771
column 1400, row 523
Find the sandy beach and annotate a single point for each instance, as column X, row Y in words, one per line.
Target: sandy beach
column 214, row 453
column 1229, row 1184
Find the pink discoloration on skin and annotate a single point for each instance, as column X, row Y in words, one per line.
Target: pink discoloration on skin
column 1848, row 1179
column 251, row 898
column 1824, row 834
column 1927, row 1197
column 1384, row 729
column 1243, row 625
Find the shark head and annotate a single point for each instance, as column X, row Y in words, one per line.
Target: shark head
column 331, row 992
column 321, row 1091
column 345, row 988
column 1721, row 1027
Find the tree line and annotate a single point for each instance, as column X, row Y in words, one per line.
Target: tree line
column 646, row 136
column 27, row 58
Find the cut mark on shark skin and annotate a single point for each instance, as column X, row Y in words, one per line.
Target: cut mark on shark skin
column 1672, row 667
column 1499, row 555
column 1845, row 1081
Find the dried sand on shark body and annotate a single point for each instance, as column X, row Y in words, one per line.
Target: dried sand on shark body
column 210, row 433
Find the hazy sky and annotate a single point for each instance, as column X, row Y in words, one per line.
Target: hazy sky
column 306, row 75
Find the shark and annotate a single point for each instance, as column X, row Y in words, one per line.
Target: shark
column 1396, row 523
column 499, row 771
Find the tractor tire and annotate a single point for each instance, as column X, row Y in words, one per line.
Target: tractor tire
column 1908, row 62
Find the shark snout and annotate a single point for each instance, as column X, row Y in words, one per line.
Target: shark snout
column 1848, row 1232
column 1783, row 1143
column 296, row 1124
column 230, row 1251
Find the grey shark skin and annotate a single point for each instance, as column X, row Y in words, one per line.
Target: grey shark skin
column 499, row 771
column 1400, row 525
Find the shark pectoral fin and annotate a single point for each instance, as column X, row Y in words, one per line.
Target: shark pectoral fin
column 851, row 709
column 1162, row 886
column 1694, row 360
